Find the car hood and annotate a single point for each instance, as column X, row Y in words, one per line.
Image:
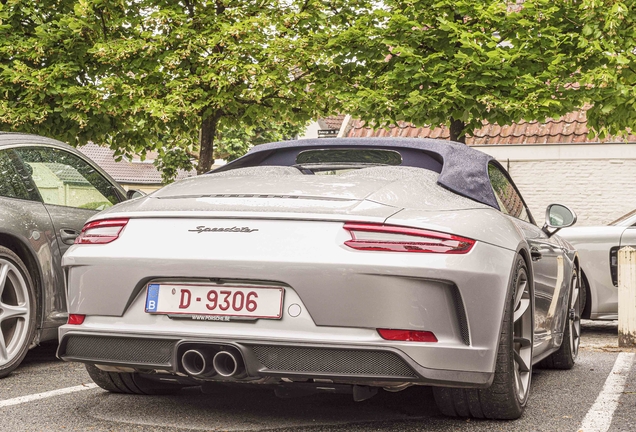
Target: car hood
column 577, row 235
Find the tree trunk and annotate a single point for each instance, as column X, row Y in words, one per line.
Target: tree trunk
column 456, row 131
column 206, row 144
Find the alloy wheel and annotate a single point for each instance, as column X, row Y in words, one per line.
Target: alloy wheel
column 522, row 331
column 574, row 317
column 15, row 311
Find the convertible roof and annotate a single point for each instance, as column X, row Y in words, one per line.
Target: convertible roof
column 463, row 170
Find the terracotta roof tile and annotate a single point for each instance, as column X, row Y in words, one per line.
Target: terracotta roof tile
column 580, row 128
column 556, row 129
column 578, row 138
column 571, row 117
column 435, row 133
column 507, row 131
column 570, row 128
column 517, row 139
column 478, row 140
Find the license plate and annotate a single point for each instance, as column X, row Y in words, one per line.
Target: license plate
column 218, row 300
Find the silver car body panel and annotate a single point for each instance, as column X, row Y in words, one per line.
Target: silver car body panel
column 28, row 224
column 594, row 245
column 296, row 240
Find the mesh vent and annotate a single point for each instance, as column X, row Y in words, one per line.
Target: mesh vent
column 120, row 350
column 336, row 361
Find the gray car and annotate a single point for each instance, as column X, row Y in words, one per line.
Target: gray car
column 335, row 265
column 598, row 250
column 47, row 192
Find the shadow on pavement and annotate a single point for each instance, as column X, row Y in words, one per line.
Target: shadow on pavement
column 45, row 353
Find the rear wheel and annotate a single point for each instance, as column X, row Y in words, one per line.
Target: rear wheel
column 17, row 311
column 130, row 383
column 565, row 357
column 506, row 398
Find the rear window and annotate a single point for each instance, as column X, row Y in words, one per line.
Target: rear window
column 349, row 156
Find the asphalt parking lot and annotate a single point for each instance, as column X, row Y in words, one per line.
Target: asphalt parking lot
column 47, row 394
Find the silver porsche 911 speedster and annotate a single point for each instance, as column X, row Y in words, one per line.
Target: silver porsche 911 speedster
column 339, row 265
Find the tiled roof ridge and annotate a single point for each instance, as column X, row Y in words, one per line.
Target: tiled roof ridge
column 569, row 128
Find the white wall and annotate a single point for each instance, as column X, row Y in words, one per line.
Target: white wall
column 597, row 181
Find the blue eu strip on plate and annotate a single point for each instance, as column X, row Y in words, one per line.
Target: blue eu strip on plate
column 152, row 298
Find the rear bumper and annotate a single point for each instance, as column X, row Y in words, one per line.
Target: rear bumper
column 344, row 295
column 338, row 363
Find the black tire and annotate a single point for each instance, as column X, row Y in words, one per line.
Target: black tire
column 129, row 383
column 566, row 356
column 18, row 311
column 508, row 395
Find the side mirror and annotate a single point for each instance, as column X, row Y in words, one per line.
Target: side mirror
column 134, row 193
column 557, row 216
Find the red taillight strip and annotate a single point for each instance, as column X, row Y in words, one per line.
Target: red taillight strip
column 438, row 242
column 101, row 231
column 407, row 335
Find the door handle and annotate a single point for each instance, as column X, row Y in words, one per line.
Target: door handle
column 68, row 236
column 535, row 254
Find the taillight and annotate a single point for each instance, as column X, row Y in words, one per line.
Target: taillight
column 101, row 231
column 388, row 238
column 407, row 335
column 76, row 319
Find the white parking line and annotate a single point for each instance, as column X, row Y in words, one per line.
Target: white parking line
column 599, row 417
column 29, row 398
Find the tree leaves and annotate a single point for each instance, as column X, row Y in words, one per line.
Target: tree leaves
column 146, row 75
column 609, row 74
column 466, row 60
column 142, row 75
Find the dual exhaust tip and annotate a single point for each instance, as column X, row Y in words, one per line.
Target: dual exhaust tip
column 206, row 362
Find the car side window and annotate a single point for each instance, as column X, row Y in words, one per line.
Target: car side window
column 65, row 179
column 15, row 181
column 509, row 200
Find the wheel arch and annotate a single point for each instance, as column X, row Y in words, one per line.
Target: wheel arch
column 587, row 309
column 28, row 256
column 524, row 252
column 584, row 284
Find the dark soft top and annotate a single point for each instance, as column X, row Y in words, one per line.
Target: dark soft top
column 462, row 169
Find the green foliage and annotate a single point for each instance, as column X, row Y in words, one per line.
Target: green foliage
column 609, row 72
column 234, row 140
column 170, row 160
column 432, row 62
column 144, row 75
column 181, row 77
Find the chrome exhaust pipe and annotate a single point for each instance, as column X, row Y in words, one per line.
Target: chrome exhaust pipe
column 197, row 363
column 228, row 364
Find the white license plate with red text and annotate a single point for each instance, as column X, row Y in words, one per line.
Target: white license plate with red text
column 220, row 300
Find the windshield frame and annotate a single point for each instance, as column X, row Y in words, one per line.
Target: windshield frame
column 627, row 220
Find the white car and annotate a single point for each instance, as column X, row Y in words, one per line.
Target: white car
column 598, row 248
